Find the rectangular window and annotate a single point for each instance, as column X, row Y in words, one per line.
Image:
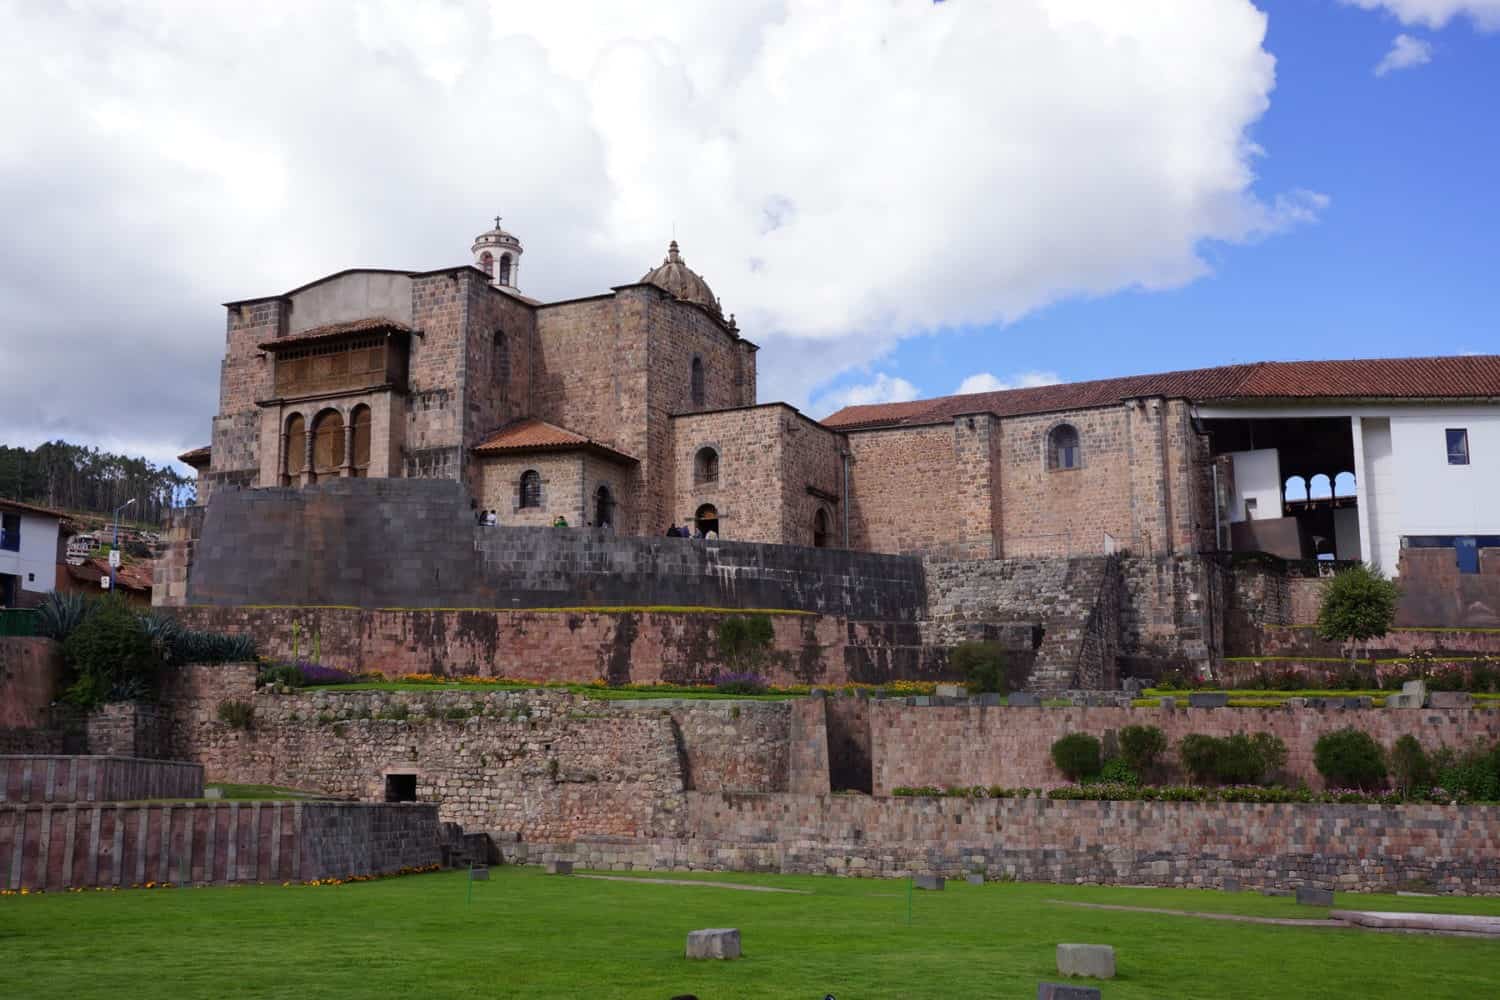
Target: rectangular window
column 1458, row 446
column 10, row 532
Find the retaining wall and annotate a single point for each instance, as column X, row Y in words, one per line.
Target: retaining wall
column 112, row 844
column 1363, row 848
column 37, row 778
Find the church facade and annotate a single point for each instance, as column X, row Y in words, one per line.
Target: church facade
column 637, row 408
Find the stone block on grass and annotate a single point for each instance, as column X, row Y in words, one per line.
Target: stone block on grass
column 931, row 882
column 1024, row 699
column 1097, row 961
column 479, row 873
column 1309, row 896
column 974, row 879
column 1450, row 699
column 559, row 868
column 714, row 942
column 1062, row 991
column 1229, row 884
column 1208, row 699
column 950, row 691
column 1276, row 892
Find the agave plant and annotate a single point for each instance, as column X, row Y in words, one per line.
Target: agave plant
column 163, row 633
column 61, row 613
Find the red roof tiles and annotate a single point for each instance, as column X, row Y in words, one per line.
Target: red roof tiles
column 538, row 435
column 196, row 456
column 332, row 331
column 28, row 508
column 1466, row 377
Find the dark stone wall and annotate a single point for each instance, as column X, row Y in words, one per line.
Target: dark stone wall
column 401, row 543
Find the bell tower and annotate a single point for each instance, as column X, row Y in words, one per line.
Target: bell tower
column 498, row 254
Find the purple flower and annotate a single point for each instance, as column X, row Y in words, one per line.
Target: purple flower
column 317, row 673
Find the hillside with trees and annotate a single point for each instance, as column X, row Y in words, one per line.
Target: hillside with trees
column 77, row 478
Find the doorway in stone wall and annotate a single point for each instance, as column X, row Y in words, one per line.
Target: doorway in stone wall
column 401, row 788
column 707, row 519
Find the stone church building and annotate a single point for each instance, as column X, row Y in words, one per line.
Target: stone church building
column 637, row 408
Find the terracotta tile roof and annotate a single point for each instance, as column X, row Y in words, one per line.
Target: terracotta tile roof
column 373, row 324
column 197, row 456
column 531, row 434
column 30, row 508
column 1466, row 377
column 131, row 576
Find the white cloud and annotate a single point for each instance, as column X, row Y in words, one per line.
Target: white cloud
column 883, row 389
column 1436, row 13
column 1405, row 53
column 844, row 174
column 987, row 382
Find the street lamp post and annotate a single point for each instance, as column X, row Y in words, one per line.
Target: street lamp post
column 112, row 562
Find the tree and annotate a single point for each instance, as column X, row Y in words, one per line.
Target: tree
column 982, row 665
column 1358, row 604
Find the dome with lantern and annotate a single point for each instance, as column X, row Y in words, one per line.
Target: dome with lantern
column 675, row 277
column 498, row 254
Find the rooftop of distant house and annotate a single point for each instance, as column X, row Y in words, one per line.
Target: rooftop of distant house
column 1457, row 377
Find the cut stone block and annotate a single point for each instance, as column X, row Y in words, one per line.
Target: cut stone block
column 1417, row 689
column 1230, row 884
column 559, row 868
column 989, row 698
column 1096, row 961
column 950, row 691
column 1024, row 699
column 1276, row 892
column 1133, row 686
column 1404, row 700
column 1062, row 991
column 213, row 793
column 1449, row 699
column 932, row 882
column 974, row 879
column 479, row 873
column 714, row 942
column 1208, row 699
column 1308, row 896
column 1169, row 703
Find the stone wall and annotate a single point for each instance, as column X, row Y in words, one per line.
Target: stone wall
column 413, row 543
column 202, row 843
column 127, row 729
column 1350, row 848
column 582, row 646
column 35, row 778
column 31, row 670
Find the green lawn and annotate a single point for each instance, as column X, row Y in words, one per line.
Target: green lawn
column 528, row 935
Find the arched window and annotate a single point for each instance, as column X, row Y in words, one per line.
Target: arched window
column 504, row 269
column 296, row 445
column 1062, row 448
column 500, row 364
column 820, row 529
column 360, row 418
column 707, row 519
column 1320, row 486
column 1295, row 488
column 706, row 466
column 487, row 263
column 604, row 507
column 531, row 488
column 1344, row 485
column 328, row 443
column 698, row 390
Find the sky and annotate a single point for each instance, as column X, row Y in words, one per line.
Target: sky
column 897, row 199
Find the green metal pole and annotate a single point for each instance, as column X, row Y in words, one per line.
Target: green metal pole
column 908, row 900
column 470, row 897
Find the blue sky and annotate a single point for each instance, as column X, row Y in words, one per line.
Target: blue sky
column 1402, row 261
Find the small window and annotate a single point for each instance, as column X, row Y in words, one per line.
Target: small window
column 10, row 532
column 487, row 263
column 500, row 364
column 604, row 508
column 820, row 529
column 401, row 788
column 1062, row 448
column 505, row 269
column 1458, row 446
column 699, row 394
column 531, row 488
column 706, row 466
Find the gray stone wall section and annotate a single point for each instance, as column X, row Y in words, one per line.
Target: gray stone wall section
column 413, row 544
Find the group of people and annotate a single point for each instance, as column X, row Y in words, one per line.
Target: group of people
column 488, row 519
column 690, row 530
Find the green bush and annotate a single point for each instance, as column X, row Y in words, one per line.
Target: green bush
column 1410, row 766
column 1231, row 760
column 1473, row 774
column 1358, row 604
column 1140, row 746
column 109, row 650
column 61, row 613
column 745, row 641
column 212, row 647
column 1349, row 758
column 1077, row 756
column 236, row 714
column 982, row 665
column 1117, row 771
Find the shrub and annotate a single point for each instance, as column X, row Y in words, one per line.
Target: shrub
column 740, row 683
column 1117, row 772
column 61, row 613
column 316, row 673
column 1410, row 766
column 1358, row 604
column 109, row 649
column 1473, row 774
column 1231, row 760
column 1140, row 746
column 1349, row 758
column 278, row 675
column 236, row 714
column 212, row 647
column 745, row 641
column 1200, row 756
column 1077, row 756
column 982, row 665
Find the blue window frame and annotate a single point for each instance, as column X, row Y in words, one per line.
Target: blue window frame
column 1458, row 445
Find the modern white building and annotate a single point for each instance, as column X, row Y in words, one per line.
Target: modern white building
column 1365, row 478
column 28, row 553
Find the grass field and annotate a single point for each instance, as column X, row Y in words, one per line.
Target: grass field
column 528, row 935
